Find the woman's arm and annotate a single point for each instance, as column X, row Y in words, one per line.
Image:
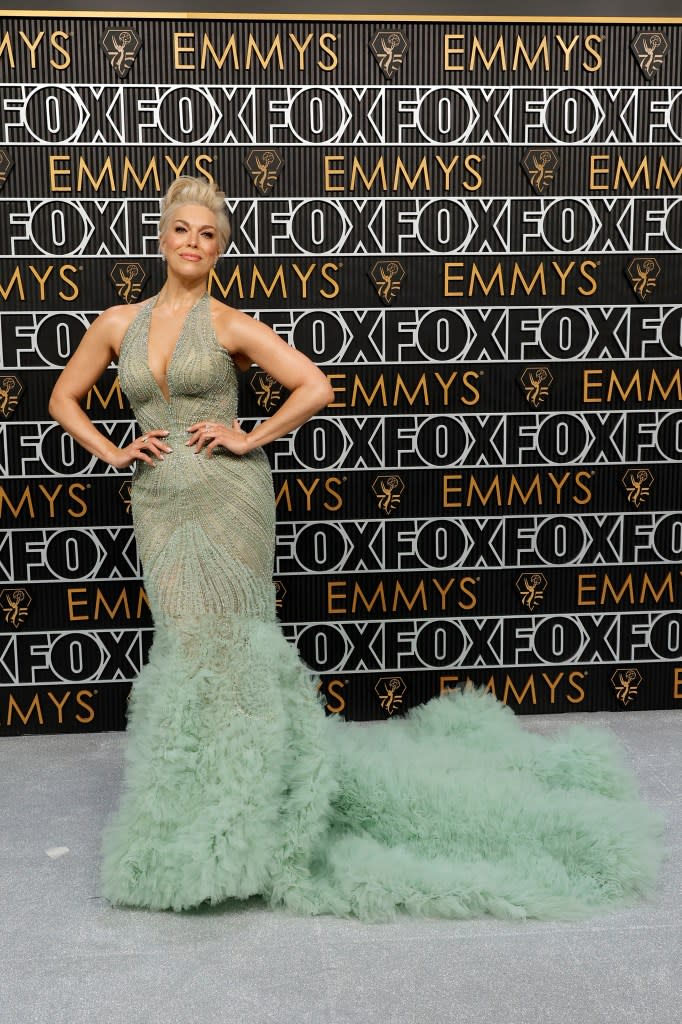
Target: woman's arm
column 98, row 347
column 251, row 341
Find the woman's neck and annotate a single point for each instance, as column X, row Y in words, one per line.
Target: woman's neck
column 179, row 296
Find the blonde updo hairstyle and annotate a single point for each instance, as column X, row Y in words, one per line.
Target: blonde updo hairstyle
column 185, row 191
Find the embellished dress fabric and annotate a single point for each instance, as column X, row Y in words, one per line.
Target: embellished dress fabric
column 237, row 782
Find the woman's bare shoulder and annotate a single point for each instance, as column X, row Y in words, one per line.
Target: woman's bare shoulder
column 113, row 322
column 224, row 315
column 226, row 323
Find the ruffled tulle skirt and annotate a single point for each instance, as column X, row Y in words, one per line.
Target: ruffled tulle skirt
column 238, row 783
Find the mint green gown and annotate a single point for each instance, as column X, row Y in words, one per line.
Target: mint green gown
column 237, row 782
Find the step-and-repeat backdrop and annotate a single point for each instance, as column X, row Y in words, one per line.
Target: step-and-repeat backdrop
column 475, row 229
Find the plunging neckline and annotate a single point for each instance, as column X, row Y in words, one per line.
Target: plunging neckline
column 175, row 346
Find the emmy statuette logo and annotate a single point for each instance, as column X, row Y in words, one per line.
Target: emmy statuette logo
column 129, row 279
column 637, row 483
column 387, row 490
column 536, row 382
column 649, row 49
column 643, row 273
column 531, row 586
column 626, row 682
column 11, row 390
column 14, row 602
column 389, row 49
column 391, row 692
column 267, row 390
column 121, row 46
column 6, row 163
column 387, row 276
column 263, row 166
column 124, row 494
column 280, row 593
column 540, row 165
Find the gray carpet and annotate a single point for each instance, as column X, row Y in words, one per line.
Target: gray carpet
column 69, row 958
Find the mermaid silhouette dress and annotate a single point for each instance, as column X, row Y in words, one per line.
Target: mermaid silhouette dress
column 236, row 780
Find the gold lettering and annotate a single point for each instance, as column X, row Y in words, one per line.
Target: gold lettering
column 484, row 498
column 335, row 287
column 334, row 494
column 520, row 49
column 487, row 288
column 572, row 676
column 449, row 50
column 12, row 706
column 528, row 286
column 264, row 60
column 336, row 591
column 327, row 49
column 231, row 47
column 422, row 171
column 622, row 169
column 101, row 602
column 73, row 488
column 178, row 49
column 301, row 47
column 420, row 592
column 564, row 275
column 514, row 485
column 330, row 171
column 509, row 687
column 470, row 382
column 449, row 277
column 59, row 704
column 56, row 171
column 6, row 44
column 86, row 707
column 450, row 488
column 567, row 50
column 400, row 385
column 447, row 169
column 60, row 49
column 17, row 279
column 589, row 385
column 677, row 683
column 114, row 393
column 51, row 497
column 599, row 60
column 107, row 171
column 24, row 500
column 63, row 276
column 308, row 491
column 32, row 46
column 357, row 170
column 41, row 280
column 303, row 277
column 333, row 690
column 379, row 388
column 152, row 171
column 378, row 595
column 598, row 171
column 278, row 279
column 675, row 383
column 498, row 51
column 664, row 169
column 552, row 684
column 469, row 159
column 73, row 602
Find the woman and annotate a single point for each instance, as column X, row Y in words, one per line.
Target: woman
column 236, row 781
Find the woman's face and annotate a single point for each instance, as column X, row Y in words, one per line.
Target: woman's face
column 190, row 242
